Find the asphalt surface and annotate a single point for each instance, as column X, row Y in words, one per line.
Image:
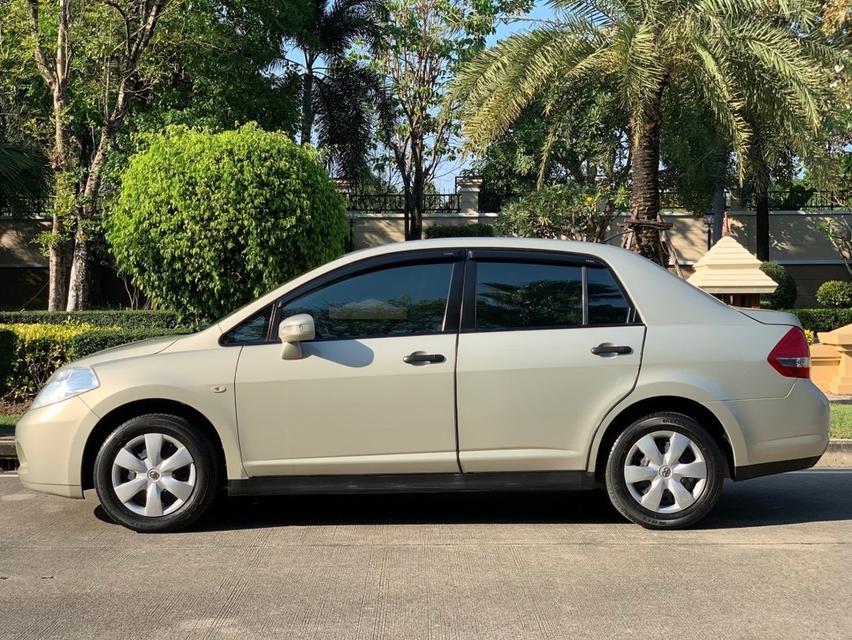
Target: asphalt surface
column 774, row 560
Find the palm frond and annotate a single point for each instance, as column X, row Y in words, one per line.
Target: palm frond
column 499, row 83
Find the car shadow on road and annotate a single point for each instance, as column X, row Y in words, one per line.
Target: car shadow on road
column 778, row 500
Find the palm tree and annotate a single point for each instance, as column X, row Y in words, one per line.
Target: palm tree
column 336, row 91
column 713, row 48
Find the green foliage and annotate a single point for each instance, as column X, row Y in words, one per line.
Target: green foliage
column 474, row 230
column 205, row 222
column 810, row 336
column 785, row 295
column 130, row 319
column 24, row 177
column 30, row 353
column 563, row 212
column 835, row 294
column 823, row 319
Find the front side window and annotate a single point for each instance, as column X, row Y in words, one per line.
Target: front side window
column 395, row 301
column 518, row 295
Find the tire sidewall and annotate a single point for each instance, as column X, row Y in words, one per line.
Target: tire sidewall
column 205, row 473
column 617, row 486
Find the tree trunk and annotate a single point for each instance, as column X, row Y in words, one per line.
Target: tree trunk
column 717, row 209
column 645, row 193
column 761, row 209
column 57, row 260
column 418, row 188
column 308, row 105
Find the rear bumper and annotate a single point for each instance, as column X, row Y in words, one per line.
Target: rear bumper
column 776, row 434
column 770, row 468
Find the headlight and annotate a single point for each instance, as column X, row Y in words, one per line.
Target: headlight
column 66, row 383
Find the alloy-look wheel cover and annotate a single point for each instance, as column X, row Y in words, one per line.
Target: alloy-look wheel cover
column 153, row 475
column 665, row 472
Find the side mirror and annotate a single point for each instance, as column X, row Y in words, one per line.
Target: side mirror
column 293, row 331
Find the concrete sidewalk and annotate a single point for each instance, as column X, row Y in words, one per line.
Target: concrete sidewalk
column 773, row 560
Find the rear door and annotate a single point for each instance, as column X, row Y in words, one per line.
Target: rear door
column 549, row 342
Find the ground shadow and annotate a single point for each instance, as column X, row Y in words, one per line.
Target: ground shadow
column 791, row 498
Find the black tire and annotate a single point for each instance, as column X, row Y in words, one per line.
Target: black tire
column 630, row 507
column 204, row 460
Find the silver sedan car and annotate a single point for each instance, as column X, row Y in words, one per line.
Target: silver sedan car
column 447, row 365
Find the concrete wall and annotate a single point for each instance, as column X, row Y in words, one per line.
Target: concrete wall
column 796, row 242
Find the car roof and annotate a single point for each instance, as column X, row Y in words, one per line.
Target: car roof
column 660, row 297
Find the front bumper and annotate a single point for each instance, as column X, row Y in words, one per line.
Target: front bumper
column 50, row 443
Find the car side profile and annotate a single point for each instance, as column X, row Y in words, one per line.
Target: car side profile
column 471, row 364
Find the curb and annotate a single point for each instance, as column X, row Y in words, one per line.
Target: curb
column 838, row 454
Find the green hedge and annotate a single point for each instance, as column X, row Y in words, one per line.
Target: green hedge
column 475, row 230
column 835, row 294
column 823, row 319
column 30, row 353
column 135, row 319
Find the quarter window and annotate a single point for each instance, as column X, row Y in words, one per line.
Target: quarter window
column 514, row 295
column 607, row 304
column 396, row 301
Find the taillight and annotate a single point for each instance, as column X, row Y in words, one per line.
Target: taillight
column 791, row 357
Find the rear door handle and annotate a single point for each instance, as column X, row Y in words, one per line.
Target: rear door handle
column 419, row 357
column 609, row 349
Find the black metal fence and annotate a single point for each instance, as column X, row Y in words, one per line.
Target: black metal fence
column 395, row 202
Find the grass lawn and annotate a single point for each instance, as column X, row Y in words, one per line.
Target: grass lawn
column 841, row 422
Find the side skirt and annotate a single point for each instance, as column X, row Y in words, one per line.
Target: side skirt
column 771, row 468
column 414, row 483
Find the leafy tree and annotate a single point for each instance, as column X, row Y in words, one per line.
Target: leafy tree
column 729, row 54
column 98, row 72
column 205, row 222
column 24, row 177
column 562, row 212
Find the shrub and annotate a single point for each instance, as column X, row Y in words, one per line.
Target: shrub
column 474, row 230
column 810, row 336
column 561, row 212
column 130, row 319
column 823, row 319
column 30, row 353
column 785, row 295
column 205, row 222
column 835, row 294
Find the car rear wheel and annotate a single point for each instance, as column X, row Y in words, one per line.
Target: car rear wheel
column 664, row 472
column 156, row 473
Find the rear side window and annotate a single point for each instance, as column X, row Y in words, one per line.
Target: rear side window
column 395, row 301
column 607, row 304
column 517, row 295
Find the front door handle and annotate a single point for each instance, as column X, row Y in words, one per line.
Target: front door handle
column 419, row 357
column 609, row 349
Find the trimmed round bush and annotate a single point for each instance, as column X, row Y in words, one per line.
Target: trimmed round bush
column 835, row 294
column 205, row 222
column 785, row 295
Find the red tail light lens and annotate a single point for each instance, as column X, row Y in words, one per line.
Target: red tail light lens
column 791, row 357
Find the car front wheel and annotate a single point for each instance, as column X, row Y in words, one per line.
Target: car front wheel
column 156, row 473
column 664, row 472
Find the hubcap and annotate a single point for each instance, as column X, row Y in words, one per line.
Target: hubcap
column 153, row 475
column 665, row 471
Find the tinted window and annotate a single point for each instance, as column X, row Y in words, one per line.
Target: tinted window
column 515, row 295
column 391, row 302
column 607, row 304
column 252, row 330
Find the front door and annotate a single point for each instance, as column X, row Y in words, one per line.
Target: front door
column 374, row 392
column 548, row 345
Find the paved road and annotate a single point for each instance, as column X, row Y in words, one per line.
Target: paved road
column 773, row 561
